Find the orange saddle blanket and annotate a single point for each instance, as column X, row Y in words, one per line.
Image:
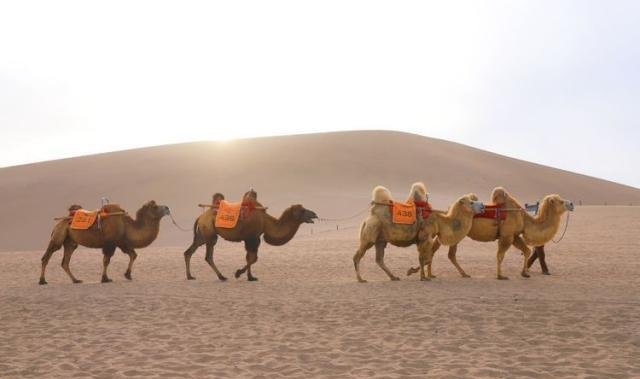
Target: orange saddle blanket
column 82, row 219
column 228, row 214
column 403, row 213
column 493, row 211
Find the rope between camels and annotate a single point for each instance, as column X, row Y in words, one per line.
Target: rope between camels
column 176, row 224
column 566, row 226
column 360, row 213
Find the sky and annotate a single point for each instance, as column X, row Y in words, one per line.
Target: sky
column 552, row 82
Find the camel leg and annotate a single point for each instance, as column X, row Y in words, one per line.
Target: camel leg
column 452, row 257
column 434, row 249
column 543, row 262
column 198, row 241
column 380, row 245
column 52, row 248
column 251, row 246
column 425, row 256
column 69, row 248
column 209, row 258
column 107, row 252
column 358, row 257
column 132, row 257
column 533, row 257
column 503, row 246
column 519, row 243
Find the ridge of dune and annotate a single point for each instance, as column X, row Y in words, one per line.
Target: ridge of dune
column 331, row 173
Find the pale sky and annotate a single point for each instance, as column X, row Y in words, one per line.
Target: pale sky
column 553, row 82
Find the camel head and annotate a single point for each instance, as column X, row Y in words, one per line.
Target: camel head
column 556, row 204
column 153, row 211
column 300, row 214
column 469, row 204
column 499, row 196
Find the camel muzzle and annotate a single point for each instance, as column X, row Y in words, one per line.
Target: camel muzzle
column 309, row 216
column 569, row 206
column 477, row 207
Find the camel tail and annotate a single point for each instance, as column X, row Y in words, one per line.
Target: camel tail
column 381, row 195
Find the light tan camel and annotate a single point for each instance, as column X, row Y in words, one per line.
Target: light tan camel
column 511, row 230
column 277, row 231
column 378, row 229
column 115, row 231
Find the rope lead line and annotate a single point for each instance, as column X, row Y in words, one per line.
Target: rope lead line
column 566, row 225
column 360, row 213
column 176, row 224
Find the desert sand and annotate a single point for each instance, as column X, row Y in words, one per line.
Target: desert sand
column 307, row 316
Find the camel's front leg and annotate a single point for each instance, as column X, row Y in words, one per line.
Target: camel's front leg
column 434, row 249
column 503, row 246
column 69, row 248
column 107, row 252
column 132, row 257
column 452, row 257
column 251, row 246
column 380, row 245
column 519, row 243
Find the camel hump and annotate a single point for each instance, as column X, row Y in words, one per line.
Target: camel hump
column 381, row 195
column 418, row 192
column 112, row 208
column 74, row 207
column 499, row 195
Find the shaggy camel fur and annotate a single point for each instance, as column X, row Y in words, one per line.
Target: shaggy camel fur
column 115, row 231
column 277, row 231
column 511, row 230
column 378, row 229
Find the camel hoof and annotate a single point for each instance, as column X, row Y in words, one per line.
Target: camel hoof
column 238, row 273
column 412, row 271
column 42, row 282
column 432, row 276
column 425, row 279
column 127, row 275
column 222, row 278
column 395, row 279
column 77, row 281
column 466, row 276
column 252, row 279
column 500, row 277
column 191, row 277
column 525, row 275
column 546, row 273
column 106, row 280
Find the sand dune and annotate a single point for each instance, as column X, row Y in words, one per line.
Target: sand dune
column 330, row 173
column 307, row 316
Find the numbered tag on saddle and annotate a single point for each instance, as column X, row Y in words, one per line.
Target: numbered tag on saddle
column 82, row 219
column 228, row 214
column 403, row 213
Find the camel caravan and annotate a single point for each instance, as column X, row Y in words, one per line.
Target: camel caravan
column 403, row 224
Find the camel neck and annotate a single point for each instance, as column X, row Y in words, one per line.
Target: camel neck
column 142, row 231
column 278, row 231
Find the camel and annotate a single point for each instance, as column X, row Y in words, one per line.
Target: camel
column 511, row 230
column 276, row 231
column 115, row 231
column 378, row 229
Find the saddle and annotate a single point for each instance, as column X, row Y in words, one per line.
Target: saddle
column 82, row 219
column 406, row 213
column 228, row 214
column 493, row 211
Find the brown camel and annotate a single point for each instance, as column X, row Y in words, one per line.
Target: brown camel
column 277, row 232
column 114, row 231
column 510, row 231
column 378, row 229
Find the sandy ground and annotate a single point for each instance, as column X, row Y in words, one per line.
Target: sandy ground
column 307, row 316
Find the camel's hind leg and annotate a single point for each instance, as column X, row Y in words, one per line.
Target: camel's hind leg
column 209, row 258
column 380, row 245
column 52, row 248
column 132, row 257
column 364, row 246
column 69, row 248
column 251, row 246
column 198, row 240
column 107, row 252
column 503, row 245
column 519, row 243
column 425, row 256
